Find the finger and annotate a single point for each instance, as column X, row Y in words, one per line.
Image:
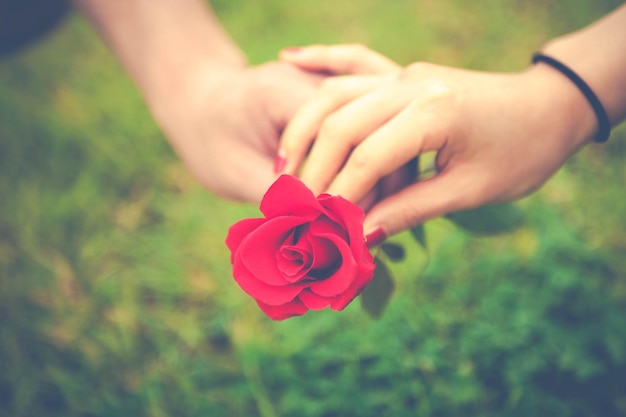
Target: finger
column 343, row 130
column 339, row 59
column 452, row 190
column 389, row 185
column 302, row 129
column 369, row 200
column 412, row 131
column 397, row 180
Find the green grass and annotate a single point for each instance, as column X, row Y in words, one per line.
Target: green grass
column 116, row 297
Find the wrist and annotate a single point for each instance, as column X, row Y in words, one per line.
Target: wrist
column 596, row 54
column 565, row 111
column 603, row 130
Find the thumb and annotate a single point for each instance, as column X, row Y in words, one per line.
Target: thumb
column 444, row 193
column 339, row 59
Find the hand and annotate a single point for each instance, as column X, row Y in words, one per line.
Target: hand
column 221, row 116
column 374, row 69
column 225, row 124
column 497, row 137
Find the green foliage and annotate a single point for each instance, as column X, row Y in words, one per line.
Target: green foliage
column 376, row 296
column 115, row 291
column 489, row 220
column 419, row 234
column 520, row 335
column 393, row 251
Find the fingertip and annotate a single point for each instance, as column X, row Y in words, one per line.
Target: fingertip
column 379, row 225
column 288, row 54
column 311, row 57
column 280, row 162
column 298, row 53
column 420, row 202
column 291, row 50
column 375, row 236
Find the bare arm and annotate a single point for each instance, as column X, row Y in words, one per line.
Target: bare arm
column 598, row 54
column 157, row 41
column 221, row 116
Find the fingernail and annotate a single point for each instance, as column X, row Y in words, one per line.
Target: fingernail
column 279, row 163
column 292, row 50
column 375, row 237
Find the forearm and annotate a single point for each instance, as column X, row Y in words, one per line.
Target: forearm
column 159, row 41
column 597, row 53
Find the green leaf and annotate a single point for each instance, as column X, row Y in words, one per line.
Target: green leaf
column 393, row 251
column 419, row 234
column 376, row 295
column 489, row 220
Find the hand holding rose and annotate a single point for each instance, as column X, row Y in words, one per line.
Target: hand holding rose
column 497, row 137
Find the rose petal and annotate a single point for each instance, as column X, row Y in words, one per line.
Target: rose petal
column 324, row 225
column 314, row 301
column 364, row 277
column 326, row 254
column 239, row 231
column 259, row 290
column 294, row 261
column 326, row 257
column 352, row 218
column 348, row 215
column 343, row 277
column 258, row 250
column 288, row 196
column 282, row 312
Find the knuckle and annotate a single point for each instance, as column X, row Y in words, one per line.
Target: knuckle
column 331, row 129
column 439, row 90
column 437, row 95
column 362, row 161
column 332, row 90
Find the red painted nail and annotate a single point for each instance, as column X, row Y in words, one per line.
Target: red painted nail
column 375, row 237
column 292, row 50
column 279, row 163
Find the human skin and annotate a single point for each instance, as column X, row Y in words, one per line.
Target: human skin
column 497, row 136
column 222, row 116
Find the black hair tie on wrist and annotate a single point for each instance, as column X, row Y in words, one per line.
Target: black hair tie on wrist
column 604, row 125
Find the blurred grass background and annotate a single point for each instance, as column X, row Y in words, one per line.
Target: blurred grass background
column 116, row 297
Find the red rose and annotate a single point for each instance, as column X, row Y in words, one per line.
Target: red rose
column 306, row 253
